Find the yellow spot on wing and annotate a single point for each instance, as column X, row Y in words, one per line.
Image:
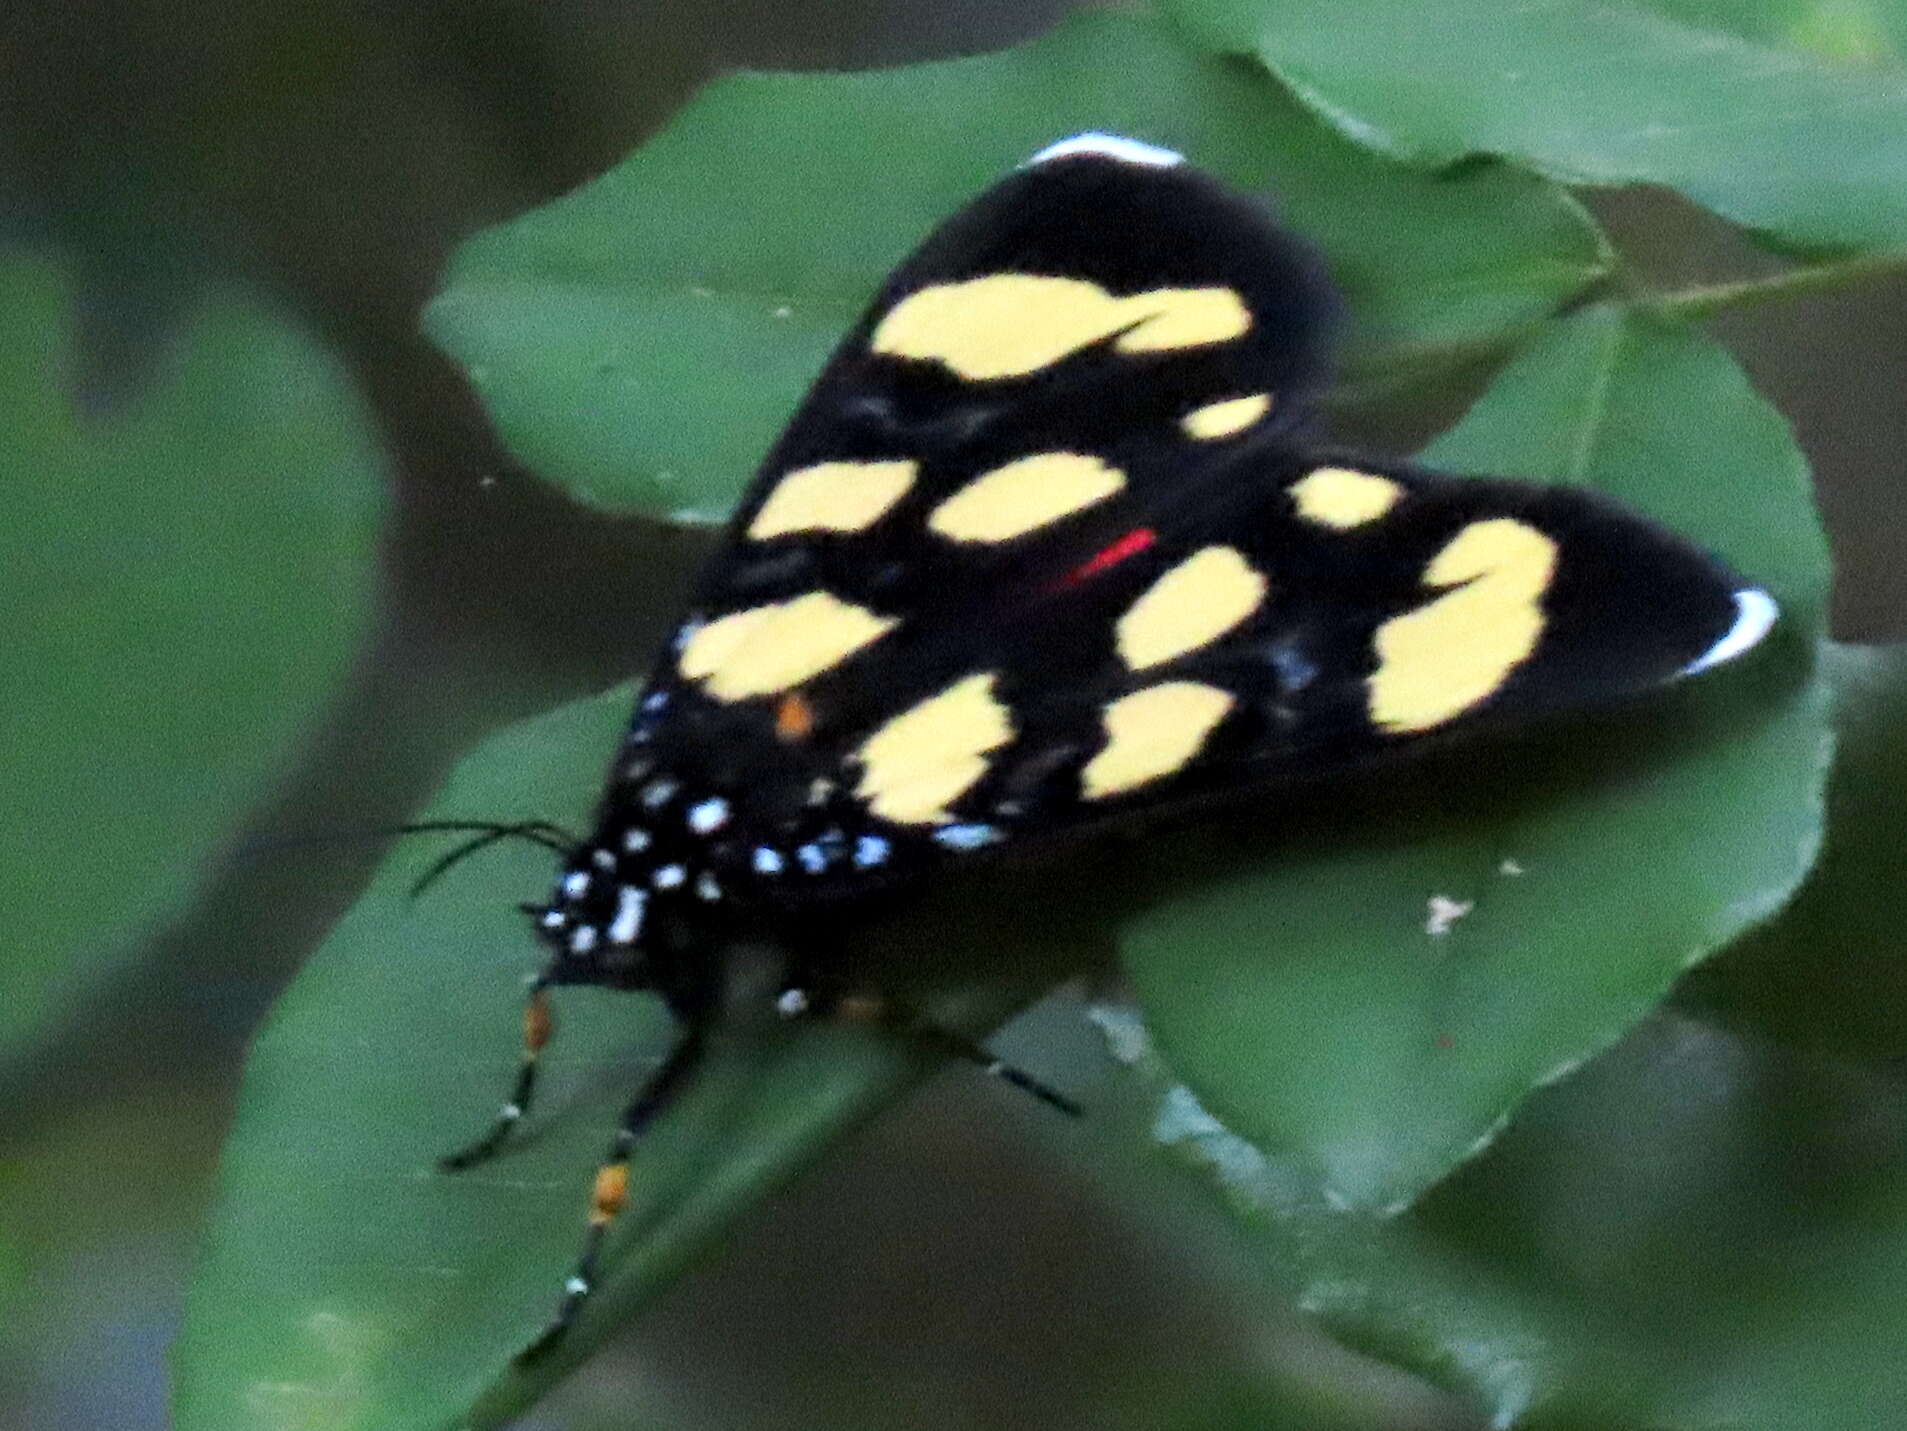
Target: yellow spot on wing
column 1222, row 419
column 1339, row 497
column 1007, row 325
column 1152, row 733
column 769, row 649
column 832, row 497
column 1024, row 496
column 1438, row 661
column 1192, row 605
column 933, row 752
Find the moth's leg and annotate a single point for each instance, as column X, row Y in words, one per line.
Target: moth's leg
column 957, row 1045
column 611, row 1188
column 539, row 1023
column 806, row 994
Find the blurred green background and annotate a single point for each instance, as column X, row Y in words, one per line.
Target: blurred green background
column 310, row 166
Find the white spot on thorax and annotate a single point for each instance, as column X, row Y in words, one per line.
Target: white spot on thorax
column 967, row 837
column 630, row 904
column 1112, row 146
column 1755, row 615
column 708, row 816
column 669, row 877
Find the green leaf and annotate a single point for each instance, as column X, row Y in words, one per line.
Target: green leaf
column 347, row 1282
column 1828, row 972
column 1864, row 33
column 184, row 584
column 1696, row 1230
column 643, row 340
column 1309, row 1000
column 1808, row 153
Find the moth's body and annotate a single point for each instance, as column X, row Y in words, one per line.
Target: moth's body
column 1046, row 548
column 744, row 817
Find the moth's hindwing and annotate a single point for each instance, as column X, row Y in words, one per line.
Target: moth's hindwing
column 1047, row 543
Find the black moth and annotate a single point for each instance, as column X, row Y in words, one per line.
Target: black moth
column 1044, row 547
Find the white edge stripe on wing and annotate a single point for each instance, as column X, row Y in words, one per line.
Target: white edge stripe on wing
column 1112, row 146
column 1755, row 614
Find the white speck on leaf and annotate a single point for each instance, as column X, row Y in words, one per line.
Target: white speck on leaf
column 1124, row 1032
column 1444, row 914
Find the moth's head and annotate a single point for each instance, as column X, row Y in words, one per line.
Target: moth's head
column 650, row 866
column 596, row 921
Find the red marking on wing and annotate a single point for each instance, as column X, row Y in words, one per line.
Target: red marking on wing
column 1130, row 545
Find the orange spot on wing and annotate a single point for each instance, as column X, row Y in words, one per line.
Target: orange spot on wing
column 794, row 719
column 861, row 1009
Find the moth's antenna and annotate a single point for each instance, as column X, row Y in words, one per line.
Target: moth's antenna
column 483, row 834
column 540, row 832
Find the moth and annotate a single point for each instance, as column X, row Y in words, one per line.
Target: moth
column 1046, row 547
